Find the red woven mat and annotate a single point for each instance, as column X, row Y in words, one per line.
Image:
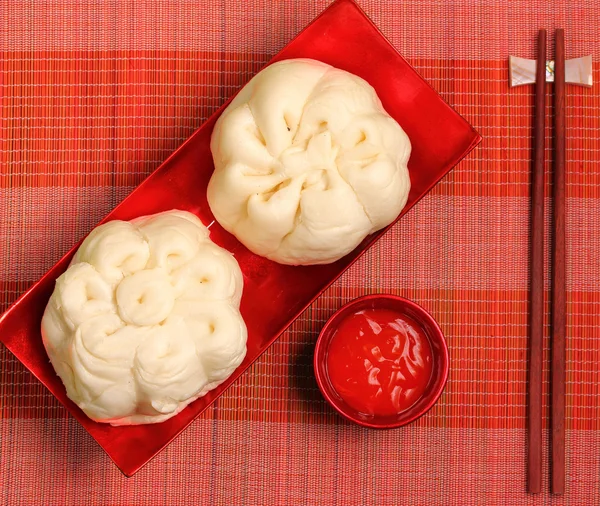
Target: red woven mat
column 95, row 94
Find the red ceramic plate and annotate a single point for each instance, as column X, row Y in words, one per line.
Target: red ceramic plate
column 274, row 295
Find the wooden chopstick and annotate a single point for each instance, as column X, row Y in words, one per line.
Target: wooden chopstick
column 558, row 273
column 536, row 312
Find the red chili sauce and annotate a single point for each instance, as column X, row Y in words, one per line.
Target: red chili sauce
column 379, row 362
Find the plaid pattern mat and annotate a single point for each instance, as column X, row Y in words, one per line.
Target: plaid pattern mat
column 95, row 94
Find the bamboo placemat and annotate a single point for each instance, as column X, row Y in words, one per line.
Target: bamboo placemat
column 95, row 94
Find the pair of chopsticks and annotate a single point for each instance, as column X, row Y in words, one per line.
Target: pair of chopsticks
column 558, row 299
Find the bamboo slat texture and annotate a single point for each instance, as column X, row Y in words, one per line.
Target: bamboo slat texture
column 95, row 94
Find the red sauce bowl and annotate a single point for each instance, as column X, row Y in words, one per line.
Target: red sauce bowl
column 423, row 323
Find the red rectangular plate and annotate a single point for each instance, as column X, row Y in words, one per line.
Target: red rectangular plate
column 274, row 295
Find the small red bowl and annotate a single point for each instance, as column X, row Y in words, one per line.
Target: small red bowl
column 439, row 373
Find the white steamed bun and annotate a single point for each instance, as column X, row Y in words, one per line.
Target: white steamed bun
column 307, row 164
column 146, row 319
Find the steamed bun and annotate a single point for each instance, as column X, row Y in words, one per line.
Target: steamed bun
column 146, row 319
column 307, row 164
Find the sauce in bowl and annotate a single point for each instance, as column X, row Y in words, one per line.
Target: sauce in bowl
column 379, row 361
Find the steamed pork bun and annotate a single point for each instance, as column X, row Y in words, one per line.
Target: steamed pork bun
column 307, row 164
column 146, row 319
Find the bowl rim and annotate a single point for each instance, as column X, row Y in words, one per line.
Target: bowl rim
column 433, row 394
